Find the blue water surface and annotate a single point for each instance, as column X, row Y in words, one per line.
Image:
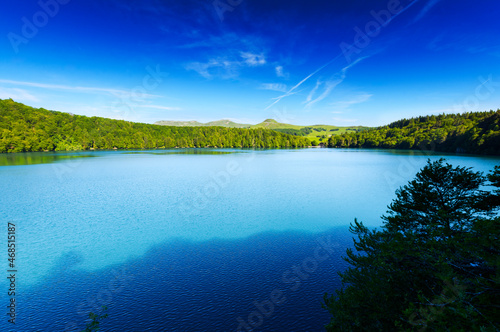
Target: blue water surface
column 190, row 240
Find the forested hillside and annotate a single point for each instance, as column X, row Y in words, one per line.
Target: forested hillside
column 23, row 128
column 468, row 133
column 316, row 133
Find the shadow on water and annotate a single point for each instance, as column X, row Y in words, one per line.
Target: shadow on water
column 266, row 282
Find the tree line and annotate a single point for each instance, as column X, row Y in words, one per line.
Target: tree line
column 26, row 129
column 473, row 132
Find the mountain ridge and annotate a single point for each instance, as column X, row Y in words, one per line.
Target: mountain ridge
column 318, row 132
column 193, row 123
column 232, row 124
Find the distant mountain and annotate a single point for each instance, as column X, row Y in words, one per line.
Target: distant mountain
column 319, row 133
column 179, row 123
column 219, row 123
column 273, row 124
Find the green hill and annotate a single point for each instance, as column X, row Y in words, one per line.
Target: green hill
column 24, row 129
column 318, row 133
column 471, row 132
column 273, row 124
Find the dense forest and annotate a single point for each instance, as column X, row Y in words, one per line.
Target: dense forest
column 23, row 129
column 477, row 133
column 434, row 264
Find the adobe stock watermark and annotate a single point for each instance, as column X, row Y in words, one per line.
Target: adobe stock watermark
column 407, row 168
column 283, row 116
column 223, row 6
column 63, row 169
column 483, row 91
column 294, row 276
column 372, row 29
column 103, row 298
column 210, row 190
column 125, row 104
column 31, row 26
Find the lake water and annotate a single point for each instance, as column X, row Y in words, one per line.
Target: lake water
column 190, row 240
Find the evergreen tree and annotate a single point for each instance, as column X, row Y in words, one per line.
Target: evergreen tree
column 434, row 263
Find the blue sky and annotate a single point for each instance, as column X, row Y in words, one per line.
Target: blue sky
column 344, row 63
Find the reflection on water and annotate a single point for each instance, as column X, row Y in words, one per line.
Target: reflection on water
column 34, row 158
column 187, row 151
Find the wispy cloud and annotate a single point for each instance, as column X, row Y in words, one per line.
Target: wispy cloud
column 252, row 59
column 114, row 92
column 345, row 104
column 167, row 108
column 17, row 94
column 427, row 7
column 291, row 91
column 226, row 67
column 476, row 44
column 328, row 88
column 280, row 72
column 274, row 87
column 313, row 91
column 202, row 68
column 222, row 68
column 399, row 13
column 338, row 78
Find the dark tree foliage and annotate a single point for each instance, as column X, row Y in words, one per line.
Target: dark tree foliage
column 306, row 131
column 25, row 129
column 434, row 265
column 290, row 131
column 477, row 133
column 95, row 320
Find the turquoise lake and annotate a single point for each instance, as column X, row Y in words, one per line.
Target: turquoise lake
column 191, row 237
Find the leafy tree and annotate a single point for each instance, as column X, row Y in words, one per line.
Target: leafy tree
column 434, row 263
column 23, row 129
column 477, row 133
